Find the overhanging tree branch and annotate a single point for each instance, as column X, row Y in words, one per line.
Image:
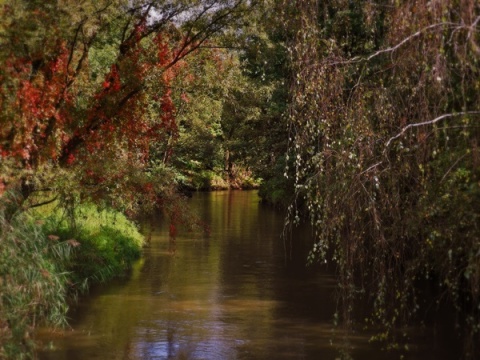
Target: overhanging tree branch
column 456, row 26
column 44, row 202
column 429, row 122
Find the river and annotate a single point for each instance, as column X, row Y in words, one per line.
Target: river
column 239, row 293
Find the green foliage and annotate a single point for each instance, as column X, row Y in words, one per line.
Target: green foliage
column 385, row 149
column 94, row 90
column 47, row 256
column 199, row 145
column 277, row 189
column 450, row 230
column 106, row 242
column 264, row 137
column 220, row 110
column 33, row 282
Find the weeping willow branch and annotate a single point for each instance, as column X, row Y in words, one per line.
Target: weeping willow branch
column 429, row 122
column 456, row 26
column 409, row 38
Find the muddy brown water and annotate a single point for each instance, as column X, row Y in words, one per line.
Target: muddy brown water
column 235, row 294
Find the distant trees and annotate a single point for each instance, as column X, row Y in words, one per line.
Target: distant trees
column 384, row 113
column 211, row 120
column 267, row 69
column 232, row 126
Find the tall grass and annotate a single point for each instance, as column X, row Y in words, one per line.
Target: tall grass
column 33, row 283
column 47, row 257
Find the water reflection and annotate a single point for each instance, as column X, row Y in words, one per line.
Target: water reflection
column 231, row 295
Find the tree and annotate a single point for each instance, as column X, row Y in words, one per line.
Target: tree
column 383, row 112
column 231, row 127
column 262, row 140
column 87, row 95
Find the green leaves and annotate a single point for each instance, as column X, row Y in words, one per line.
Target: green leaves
column 33, row 283
column 382, row 146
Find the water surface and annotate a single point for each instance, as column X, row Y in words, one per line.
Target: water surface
column 235, row 294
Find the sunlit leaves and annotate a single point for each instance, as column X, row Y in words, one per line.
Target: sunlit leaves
column 97, row 86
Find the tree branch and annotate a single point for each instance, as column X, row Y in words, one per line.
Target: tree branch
column 44, row 202
column 429, row 122
column 200, row 37
column 391, row 49
column 408, row 38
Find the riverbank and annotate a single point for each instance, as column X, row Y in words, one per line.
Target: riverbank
column 47, row 259
column 213, row 180
column 49, row 256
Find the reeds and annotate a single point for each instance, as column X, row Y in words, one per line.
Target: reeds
column 47, row 258
column 33, row 283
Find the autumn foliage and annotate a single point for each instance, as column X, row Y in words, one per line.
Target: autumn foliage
column 99, row 120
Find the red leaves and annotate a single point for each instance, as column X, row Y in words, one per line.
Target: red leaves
column 164, row 54
column 70, row 159
column 64, row 115
column 185, row 98
column 168, row 111
column 172, row 230
column 148, row 187
column 112, row 80
column 37, row 111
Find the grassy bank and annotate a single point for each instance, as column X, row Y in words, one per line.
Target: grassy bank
column 105, row 242
column 47, row 258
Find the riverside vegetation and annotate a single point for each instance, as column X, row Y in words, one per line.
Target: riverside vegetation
column 47, row 260
column 359, row 116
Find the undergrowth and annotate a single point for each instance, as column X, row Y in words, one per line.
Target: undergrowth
column 47, row 258
column 33, row 284
column 106, row 242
